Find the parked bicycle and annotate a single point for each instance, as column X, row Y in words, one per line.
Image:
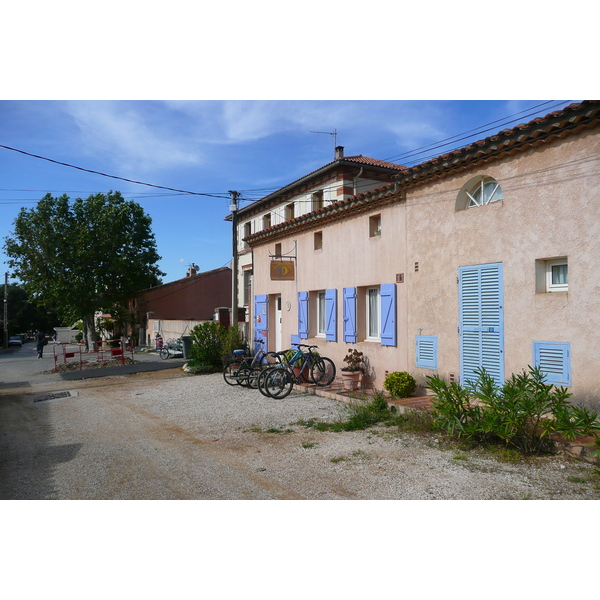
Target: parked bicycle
column 171, row 347
column 243, row 369
column 303, row 367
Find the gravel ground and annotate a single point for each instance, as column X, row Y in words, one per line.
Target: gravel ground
column 166, row 435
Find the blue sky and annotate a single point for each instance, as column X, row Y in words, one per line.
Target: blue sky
column 211, row 147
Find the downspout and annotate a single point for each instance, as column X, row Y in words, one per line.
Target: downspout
column 356, row 178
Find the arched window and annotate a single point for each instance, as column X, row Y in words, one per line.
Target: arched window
column 479, row 191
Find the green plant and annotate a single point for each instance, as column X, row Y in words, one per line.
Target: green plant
column 400, row 384
column 210, row 342
column 353, row 360
column 309, row 445
column 522, row 413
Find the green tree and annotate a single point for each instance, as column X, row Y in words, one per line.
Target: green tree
column 24, row 315
column 83, row 256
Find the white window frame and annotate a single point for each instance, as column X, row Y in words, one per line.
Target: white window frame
column 321, row 314
column 556, row 287
column 368, row 294
column 473, row 193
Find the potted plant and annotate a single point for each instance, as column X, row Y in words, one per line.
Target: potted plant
column 352, row 371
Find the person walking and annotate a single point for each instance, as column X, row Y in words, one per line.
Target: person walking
column 40, row 342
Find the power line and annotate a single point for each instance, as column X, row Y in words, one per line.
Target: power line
column 162, row 187
column 472, row 133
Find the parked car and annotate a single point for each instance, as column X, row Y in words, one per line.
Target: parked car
column 15, row 340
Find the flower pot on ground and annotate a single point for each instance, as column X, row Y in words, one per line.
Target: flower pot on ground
column 352, row 372
column 351, row 379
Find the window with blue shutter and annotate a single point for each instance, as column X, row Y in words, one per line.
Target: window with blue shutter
column 350, row 332
column 303, row 315
column 261, row 323
column 387, row 294
column 427, row 351
column 554, row 359
column 331, row 315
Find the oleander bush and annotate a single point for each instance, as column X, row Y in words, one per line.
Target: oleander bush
column 522, row 413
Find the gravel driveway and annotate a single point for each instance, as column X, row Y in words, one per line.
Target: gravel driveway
column 167, row 435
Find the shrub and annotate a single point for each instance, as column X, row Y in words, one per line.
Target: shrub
column 522, row 413
column 400, row 384
column 210, row 342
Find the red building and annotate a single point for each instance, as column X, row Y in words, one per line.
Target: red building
column 174, row 309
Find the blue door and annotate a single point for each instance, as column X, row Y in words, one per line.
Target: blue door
column 261, row 322
column 481, row 321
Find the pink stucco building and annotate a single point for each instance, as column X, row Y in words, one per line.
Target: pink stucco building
column 486, row 256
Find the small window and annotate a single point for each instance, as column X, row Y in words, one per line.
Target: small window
column 427, row 351
column 318, row 240
column 278, row 250
column 554, row 359
column 321, row 314
column 266, row 221
column 247, row 287
column 290, row 211
column 247, row 231
column 317, row 200
column 557, row 275
column 479, row 191
column 375, row 226
column 373, row 315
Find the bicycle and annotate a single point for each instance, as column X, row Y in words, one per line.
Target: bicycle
column 302, row 367
column 242, row 369
column 172, row 346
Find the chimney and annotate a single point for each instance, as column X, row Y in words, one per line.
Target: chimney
column 339, row 152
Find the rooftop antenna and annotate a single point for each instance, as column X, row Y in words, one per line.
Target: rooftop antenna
column 333, row 133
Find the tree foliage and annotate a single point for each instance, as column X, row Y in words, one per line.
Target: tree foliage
column 82, row 256
column 23, row 315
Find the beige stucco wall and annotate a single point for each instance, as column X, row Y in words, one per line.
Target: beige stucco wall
column 349, row 257
column 551, row 208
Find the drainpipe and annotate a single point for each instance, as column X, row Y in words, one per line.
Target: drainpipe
column 356, row 178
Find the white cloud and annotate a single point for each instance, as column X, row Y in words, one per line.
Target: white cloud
column 131, row 135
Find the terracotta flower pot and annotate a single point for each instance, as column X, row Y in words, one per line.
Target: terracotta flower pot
column 350, row 379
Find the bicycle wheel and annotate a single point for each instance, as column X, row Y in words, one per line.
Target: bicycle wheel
column 230, row 374
column 253, row 377
column 243, row 376
column 164, row 353
column 269, row 359
column 260, row 382
column 323, row 371
column 279, row 383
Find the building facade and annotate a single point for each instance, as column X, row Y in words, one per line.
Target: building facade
column 483, row 257
column 174, row 309
column 334, row 182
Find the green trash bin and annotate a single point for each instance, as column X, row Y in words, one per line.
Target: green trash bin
column 186, row 341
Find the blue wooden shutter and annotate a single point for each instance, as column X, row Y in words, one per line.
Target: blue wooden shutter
column 303, row 315
column 481, row 321
column 427, row 351
column 554, row 359
column 331, row 315
column 387, row 293
column 350, row 333
column 261, row 323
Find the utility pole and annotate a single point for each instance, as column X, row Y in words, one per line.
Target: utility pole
column 6, row 310
column 233, row 208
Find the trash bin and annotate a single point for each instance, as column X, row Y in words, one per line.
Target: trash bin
column 186, row 341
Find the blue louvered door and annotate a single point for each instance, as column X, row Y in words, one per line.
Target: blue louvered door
column 481, row 321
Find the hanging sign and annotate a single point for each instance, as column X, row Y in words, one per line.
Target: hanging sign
column 282, row 270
